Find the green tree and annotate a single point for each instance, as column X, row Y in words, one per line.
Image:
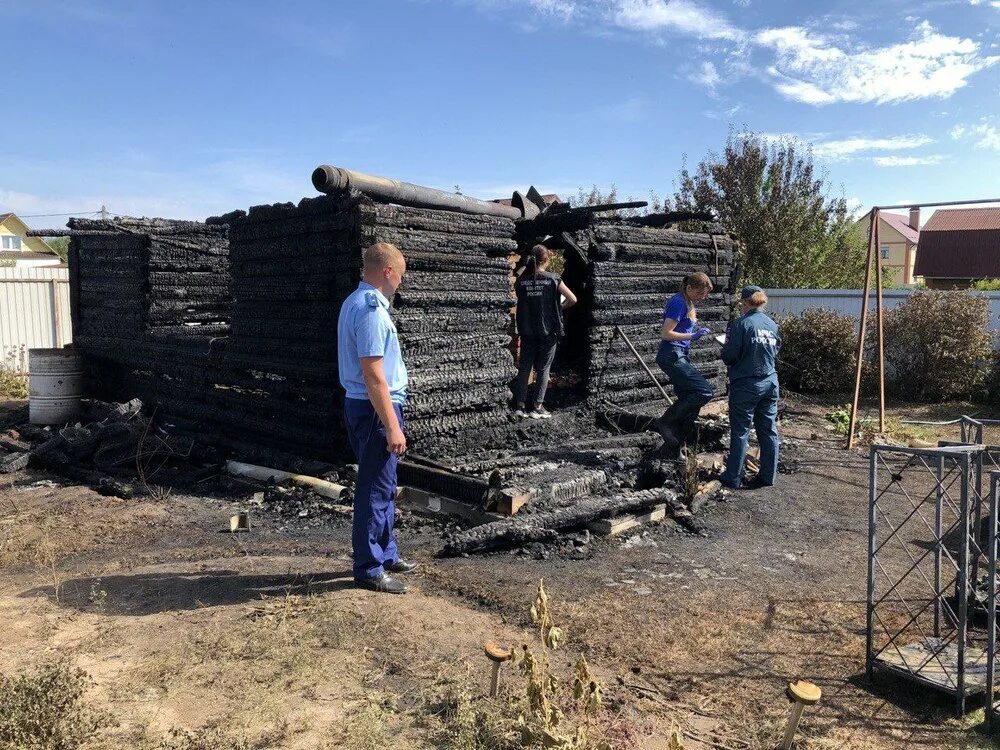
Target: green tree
column 60, row 245
column 772, row 197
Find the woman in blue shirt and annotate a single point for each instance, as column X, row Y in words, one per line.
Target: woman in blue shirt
column 680, row 328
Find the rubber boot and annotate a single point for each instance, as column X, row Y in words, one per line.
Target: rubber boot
column 667, row 429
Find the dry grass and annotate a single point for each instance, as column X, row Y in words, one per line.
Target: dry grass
column 279, row 645
column 45, row 710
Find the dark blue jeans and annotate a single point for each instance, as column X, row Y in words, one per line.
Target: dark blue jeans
column 690, row 387
column 372, row 536
column 536, row 352
column 752, row 402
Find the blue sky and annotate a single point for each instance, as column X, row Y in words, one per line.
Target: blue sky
column 185, row 109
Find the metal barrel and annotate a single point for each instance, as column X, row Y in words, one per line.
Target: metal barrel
column 327, row 179
column 55, row 384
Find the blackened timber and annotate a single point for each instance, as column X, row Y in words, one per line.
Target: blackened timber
column 544, row 527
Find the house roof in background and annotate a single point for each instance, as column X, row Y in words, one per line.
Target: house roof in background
column 901, row 224
column 960, row 244
column 964, row 219
column 24, row 228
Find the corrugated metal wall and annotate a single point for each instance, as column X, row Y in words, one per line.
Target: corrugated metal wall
column 34, row 312
column 848, row 301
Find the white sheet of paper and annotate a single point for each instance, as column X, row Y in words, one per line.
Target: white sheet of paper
column 721, row 338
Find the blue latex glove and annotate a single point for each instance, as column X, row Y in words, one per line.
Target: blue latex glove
column 699, row 332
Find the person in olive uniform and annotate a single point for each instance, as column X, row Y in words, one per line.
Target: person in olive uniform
column 541, row 299
column 750, row 352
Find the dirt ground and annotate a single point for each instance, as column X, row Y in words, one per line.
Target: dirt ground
column 263, row 638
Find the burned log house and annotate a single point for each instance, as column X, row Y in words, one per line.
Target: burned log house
column 228, row 329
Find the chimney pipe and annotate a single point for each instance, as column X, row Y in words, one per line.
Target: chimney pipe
column 915, row 217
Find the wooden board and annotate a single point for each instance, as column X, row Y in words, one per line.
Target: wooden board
column 915, row 662
column 621, row 524
column 420, row 501
column 509, row 503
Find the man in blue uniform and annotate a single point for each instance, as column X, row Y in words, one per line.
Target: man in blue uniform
column 750, row 351
column 374, row 376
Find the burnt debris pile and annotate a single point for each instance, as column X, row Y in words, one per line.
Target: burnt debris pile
column 227, row 332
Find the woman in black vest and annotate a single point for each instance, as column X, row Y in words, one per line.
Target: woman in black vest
column 541, row 298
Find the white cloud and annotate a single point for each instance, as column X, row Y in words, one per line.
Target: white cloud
column 814, row 70
column 564, row 9
column 849, row 148
column 984, row 134
column 707, row 75
column 684, row 16
column 907, row 161
column 839, row 149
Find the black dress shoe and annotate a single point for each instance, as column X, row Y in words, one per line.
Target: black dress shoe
column 384, row 583
column 401, row 566
column 756, row 484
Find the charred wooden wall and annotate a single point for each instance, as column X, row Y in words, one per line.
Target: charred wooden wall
column 228, row 328
column 634, row 269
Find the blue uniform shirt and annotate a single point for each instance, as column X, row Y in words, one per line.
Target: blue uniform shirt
column 751, row 347
column 365, row 329
column 677, row 309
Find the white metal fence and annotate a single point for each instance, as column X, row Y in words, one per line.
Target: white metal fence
column 34, row 312
column 848, row 301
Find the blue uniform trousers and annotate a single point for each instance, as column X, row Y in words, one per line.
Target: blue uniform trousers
column 375, row 493
column 690, row 387
column 753, row 402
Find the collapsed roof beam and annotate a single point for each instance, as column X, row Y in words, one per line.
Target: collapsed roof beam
column 327, row 179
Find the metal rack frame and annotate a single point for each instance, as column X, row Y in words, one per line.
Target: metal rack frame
column 932, row 648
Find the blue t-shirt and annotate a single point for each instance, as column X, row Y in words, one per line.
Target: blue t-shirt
column 364, row 329
column 677, row 309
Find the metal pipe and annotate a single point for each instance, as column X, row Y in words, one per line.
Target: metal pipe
column 872, row 551
column 327, row 179
column 943, row 203
column 642, row 362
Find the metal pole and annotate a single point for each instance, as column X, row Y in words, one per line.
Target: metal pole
column 938, row 544
column 861, row 335
column 878, row 317
column 942, row 203
column 977, row 497
column 872, row 493
column 963, row 584
column 991, row 603
column 640, row 360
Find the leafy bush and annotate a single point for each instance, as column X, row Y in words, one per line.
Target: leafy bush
column 13, row 381
column 817, row 351
column 938, row 345
column 13, row 385
column 987, row 285
column 45, row 710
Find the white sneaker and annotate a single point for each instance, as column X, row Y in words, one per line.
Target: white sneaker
column 541, row 414
column 519, row 413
